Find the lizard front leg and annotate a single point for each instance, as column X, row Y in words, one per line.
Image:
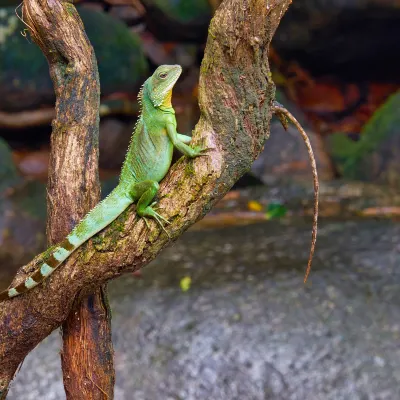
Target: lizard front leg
column 181, row 145
column 184, row 138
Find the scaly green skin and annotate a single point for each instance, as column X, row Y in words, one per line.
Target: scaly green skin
column 147, row 162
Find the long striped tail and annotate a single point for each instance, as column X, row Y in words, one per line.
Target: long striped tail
column 97, row 219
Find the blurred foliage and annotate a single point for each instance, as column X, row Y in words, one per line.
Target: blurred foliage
column 354, row 158
column 120, row 56
column 8, row 171
column 182, row 10
column 272, row 210
column 275, row 210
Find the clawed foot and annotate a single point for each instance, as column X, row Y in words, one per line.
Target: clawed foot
column 149, row 212
column 200, row 151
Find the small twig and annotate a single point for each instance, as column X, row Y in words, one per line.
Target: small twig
column 23, row 32
column 284, row 115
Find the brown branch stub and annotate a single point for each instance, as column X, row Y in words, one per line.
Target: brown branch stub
column 236, row 96
column 23, row 119
column 44, row 116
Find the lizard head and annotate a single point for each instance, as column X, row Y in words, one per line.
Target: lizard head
column 159, row 86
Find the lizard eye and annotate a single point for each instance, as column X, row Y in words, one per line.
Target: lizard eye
column 162, row 75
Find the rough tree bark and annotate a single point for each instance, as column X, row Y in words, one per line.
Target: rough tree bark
column 87, row 356
column 73, row 187
column 235, row 96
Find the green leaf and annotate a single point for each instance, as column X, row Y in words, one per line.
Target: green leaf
column 275, row 210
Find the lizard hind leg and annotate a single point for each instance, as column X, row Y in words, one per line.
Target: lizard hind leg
column 144, row 192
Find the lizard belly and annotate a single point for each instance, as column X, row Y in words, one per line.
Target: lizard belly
column 154, row 163
column 160, row 166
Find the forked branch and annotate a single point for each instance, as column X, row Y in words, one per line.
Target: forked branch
column 236, row 101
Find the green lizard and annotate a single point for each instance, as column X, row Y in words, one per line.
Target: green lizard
column 146, row 163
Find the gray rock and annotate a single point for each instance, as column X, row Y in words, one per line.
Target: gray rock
column 337, row 37
column 24, row 79
column 114, row 140
column 285, row 157
column 248, row 328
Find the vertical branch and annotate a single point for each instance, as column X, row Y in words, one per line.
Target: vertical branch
column 73, row 186
column 87, row 356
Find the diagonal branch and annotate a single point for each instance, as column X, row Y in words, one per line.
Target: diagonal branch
column 236, row 95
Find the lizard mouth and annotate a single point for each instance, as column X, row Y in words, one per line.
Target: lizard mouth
column 175, row 73
column 162, row 85
column 177, row 70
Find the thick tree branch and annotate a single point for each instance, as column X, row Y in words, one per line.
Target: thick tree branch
column 236, row 94
column 73, row 187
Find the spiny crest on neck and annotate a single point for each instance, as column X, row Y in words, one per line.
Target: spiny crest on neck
column 159, row 85
column 140, row 97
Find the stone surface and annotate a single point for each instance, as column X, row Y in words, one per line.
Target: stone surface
column 285, row 157
column 24, row 77
column 114, row 140
column 248, row 328
column 354, row 39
